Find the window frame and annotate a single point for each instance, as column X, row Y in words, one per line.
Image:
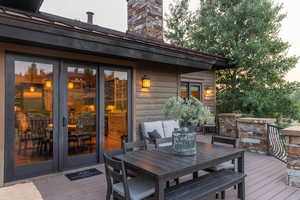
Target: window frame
column 189, row 84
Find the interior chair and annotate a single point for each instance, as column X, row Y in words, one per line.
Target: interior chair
column 121, row 187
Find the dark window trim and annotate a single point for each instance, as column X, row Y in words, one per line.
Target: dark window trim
column 191, row 83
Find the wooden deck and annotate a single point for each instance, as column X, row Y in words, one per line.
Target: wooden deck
column 265, row 181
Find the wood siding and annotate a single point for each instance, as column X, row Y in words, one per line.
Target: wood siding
column 2, row 114
column 149, row 102
column 208, row 80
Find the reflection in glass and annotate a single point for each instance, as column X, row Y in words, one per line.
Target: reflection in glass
column 184, row 92
column 33, row 112
column 116, row 108
column 81, row 102
column 196, row 91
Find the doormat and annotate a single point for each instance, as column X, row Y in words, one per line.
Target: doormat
column 83, row 174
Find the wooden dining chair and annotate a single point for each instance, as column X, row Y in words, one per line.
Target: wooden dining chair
column 123, row 188
column 229, row 165
column 134, row 146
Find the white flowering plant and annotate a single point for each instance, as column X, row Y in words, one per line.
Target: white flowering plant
column 189, row 111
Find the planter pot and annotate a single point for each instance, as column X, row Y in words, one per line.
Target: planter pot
column 184, row 143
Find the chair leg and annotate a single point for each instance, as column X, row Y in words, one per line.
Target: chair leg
column 241, row 190
column 223, row 195
column 108, row 194
column 195, row 175
column 168, row 184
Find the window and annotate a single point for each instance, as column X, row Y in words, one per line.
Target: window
column 191, row 89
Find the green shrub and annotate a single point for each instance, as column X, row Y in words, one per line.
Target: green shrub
column 188, row 111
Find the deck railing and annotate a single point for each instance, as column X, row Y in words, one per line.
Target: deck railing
column 276, row 143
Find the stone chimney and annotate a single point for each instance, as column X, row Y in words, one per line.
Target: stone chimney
column 145, row 17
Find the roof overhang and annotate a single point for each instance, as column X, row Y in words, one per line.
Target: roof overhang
column 18, row 30
column 27, row 5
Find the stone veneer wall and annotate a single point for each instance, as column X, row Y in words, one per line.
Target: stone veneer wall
column 146, row 17
column 253, row 134
column 227, row 124
column 293, row 156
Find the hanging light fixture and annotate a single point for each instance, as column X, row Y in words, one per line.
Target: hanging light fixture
column 32, row 89
column 146, row 82
column 70, row 85
column 48, row 84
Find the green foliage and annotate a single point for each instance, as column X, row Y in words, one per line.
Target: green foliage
column 188, row 112
column 245, row 32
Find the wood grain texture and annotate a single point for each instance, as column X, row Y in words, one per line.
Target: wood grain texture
column 149, row 102
column 164, row 163
column 2, row 114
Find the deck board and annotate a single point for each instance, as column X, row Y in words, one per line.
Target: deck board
column 266, row 180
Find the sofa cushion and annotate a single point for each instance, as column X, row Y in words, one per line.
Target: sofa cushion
column 154, row 135
column 151, row 126
column 169, row 126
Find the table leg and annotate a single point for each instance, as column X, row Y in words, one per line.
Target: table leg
column 241, row 169
column 160, row 190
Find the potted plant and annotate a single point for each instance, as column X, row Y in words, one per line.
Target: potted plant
column 189, row 112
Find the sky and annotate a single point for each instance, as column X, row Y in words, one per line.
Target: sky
column 113, row 14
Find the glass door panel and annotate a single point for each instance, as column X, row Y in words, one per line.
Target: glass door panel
column 33, row 112
column 31, row 116
column 80, row 121
column 116, row 108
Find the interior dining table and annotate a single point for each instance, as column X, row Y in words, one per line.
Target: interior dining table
column 163, row 164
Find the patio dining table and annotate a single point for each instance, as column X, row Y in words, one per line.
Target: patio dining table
column 163, row 165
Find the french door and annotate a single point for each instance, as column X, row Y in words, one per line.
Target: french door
column 61, row 115
column 32, row 120
column 79, row 115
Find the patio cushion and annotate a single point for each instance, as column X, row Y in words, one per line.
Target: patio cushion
column 169, row 126
column 151, row 126
column 165, row 144
column 154, row 135
column 223, row 166
column 139, row 187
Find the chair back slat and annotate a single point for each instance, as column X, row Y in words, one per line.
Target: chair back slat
column 134, row 146
column 276, row 143
column 224, row 140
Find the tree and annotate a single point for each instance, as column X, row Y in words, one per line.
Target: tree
column 247, row 33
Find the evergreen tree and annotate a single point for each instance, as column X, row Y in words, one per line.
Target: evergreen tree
column 247, row 33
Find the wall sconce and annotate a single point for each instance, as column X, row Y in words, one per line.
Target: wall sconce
column 208, row 92
column 146, row 82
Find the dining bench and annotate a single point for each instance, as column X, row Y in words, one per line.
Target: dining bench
column 206, row 187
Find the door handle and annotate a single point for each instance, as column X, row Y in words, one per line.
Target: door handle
column 64, row 121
